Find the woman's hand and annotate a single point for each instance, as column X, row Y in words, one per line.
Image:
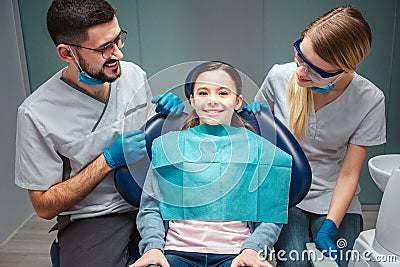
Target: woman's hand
column 256, row 107
column 249, row 258
column 152, row 256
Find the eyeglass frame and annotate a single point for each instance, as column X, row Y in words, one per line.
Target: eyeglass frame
column 318, row 71
column 104, row 48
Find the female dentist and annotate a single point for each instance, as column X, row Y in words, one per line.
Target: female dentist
column 336, row 114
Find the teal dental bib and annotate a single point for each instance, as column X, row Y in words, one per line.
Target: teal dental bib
column 219, row 172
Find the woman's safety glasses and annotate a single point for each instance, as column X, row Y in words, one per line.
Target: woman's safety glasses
column 107, row 50
column 315, row 73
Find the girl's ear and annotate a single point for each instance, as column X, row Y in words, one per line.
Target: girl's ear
column 65, row 53
column 191, row 100
column 239, row 102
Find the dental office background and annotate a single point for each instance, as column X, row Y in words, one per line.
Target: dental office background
column 252, row 35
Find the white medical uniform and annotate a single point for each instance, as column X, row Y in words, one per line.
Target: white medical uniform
column 61, row 129
column 357, row 117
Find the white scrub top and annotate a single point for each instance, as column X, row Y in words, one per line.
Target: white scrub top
column 61, row 129
column 357, row 117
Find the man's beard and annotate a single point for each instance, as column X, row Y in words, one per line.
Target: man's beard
column 100, row 75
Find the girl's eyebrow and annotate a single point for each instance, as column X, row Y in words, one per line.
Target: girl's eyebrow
column 219, row 88
column 202, row 88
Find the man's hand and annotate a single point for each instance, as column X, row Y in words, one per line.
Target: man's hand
column 168, row 104
column 128, row 148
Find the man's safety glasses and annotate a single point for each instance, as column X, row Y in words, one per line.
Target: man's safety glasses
column 315, row 73
column 107, row 50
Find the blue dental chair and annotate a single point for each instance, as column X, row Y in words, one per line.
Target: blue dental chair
column 266, row 125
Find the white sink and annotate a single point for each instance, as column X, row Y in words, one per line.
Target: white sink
column 381, row 167
column 383, row 242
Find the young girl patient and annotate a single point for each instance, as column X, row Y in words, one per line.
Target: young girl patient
column 215, row 95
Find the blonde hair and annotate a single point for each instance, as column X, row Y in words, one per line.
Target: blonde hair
column 340, row 37
column 300, row 100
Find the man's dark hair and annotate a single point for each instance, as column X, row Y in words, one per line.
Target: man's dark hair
column 68, row 20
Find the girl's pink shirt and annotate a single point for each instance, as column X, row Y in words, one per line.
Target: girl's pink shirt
column 217, row 237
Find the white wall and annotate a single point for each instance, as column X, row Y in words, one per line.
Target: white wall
column 15, row 206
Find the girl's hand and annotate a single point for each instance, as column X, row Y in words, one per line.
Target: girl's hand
column 152, row 256
column 249, row 258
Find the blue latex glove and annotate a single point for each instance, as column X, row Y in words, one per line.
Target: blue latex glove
column 128, row 148
column 168, row 104
column 324, row 240
column 255, row 107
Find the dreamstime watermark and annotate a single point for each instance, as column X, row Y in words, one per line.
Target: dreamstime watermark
column 317, row 255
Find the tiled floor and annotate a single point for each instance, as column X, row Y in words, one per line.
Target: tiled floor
column 30, row 246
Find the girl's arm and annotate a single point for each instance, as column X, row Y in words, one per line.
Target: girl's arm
column 149, row 221
column 263, row 237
